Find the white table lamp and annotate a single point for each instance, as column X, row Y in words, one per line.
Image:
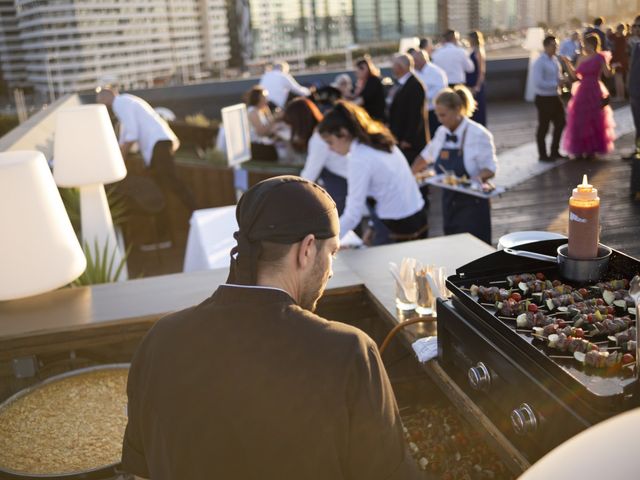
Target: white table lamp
column 87, row 155
column 39, row 250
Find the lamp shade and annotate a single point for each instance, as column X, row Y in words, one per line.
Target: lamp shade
column 85, row 150
column 39, row 250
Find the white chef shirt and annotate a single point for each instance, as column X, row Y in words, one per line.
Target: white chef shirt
column 384, row 176
column 434, row 79
column 278, row 85
column 140, row 123
column 479, row 152
column 454, row 61
column 320, row 156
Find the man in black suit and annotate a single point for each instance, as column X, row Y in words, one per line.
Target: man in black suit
column 407, row 110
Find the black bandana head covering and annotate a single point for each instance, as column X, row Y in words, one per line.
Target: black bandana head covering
column 283, row 210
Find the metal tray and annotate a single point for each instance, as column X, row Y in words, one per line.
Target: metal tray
column 102, row 472
column 600, row 392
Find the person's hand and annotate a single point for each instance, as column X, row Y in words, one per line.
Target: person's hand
column 404, row 144
column 418, row 165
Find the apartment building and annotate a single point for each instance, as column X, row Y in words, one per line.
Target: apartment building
column 73, row 45
column 286, row 28
column 13, row 67
column 387, row 20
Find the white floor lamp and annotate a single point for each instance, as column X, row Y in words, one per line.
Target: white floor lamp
column 39, row 250
column 87, row 155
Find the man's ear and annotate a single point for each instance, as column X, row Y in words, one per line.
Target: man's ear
column 307, row 251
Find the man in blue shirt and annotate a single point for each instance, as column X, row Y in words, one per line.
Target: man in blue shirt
column 570, row 46
column 547, row 78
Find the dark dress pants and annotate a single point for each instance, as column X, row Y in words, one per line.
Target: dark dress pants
column 635, row 113
column 550, row 110
column 163, row 171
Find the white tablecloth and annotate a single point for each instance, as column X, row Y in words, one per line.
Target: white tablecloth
column 211, row 238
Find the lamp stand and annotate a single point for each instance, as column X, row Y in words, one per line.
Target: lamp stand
column 97, row 225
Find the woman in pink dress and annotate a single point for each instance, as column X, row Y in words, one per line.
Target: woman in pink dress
column 590, row 125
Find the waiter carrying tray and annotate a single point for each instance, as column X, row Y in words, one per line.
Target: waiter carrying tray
column 465, row 148
column 250, row 384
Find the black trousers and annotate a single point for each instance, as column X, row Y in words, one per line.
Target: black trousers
column 550, row 110
column 163, row 171
column 412, row 227
column 635, row 113
column 263, row 152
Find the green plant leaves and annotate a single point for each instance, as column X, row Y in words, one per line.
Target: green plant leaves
column 100, row 265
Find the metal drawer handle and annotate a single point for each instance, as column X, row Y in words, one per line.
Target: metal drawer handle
column 523, row 420
column 479, row 377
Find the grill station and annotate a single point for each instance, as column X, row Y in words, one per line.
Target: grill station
column 534, row 398
column 522, row 402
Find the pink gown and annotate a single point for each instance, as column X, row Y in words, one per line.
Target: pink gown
column 590, row 127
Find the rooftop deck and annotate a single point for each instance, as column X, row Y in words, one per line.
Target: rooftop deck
column 536, row 199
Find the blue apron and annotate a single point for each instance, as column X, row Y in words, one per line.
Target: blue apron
column 462, row 213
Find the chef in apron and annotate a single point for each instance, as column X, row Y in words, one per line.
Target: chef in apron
column 465, row 148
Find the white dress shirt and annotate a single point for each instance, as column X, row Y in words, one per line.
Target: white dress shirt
column 140, row 123
column 454, row 61
column 434, row 80
column 320, row 156
column 384, row 176
column 547, row 75
column 278, row 85
column 479, row 152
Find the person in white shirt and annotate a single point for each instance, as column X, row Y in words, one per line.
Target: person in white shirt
column 323, row 166
column 434, row 80
column 376, row 168
column 139, row 123
column 465, row 148
column 279, row 84
column 453, row 59
column 547, row 79
column 571, row 47
column 261, row 125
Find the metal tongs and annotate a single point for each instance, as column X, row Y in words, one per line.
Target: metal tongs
column 634, row 292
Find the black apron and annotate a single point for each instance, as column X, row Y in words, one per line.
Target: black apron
column 336, row 186
column 462, row 213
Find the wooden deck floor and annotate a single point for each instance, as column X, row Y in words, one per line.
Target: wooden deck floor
column 541, row 203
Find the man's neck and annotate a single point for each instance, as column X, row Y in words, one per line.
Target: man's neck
column 281, row 283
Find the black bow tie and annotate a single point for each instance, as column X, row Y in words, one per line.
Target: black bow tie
column 451, row 137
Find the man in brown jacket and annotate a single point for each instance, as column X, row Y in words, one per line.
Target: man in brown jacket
column 250, row 384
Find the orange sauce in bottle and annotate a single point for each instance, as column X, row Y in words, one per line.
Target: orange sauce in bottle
column 584, row 221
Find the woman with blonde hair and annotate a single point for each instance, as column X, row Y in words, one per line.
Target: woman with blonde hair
column 377, row 169
column 465, row 148
column 475, row 79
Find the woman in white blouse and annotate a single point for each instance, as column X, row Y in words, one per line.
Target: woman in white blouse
column 377, row 169
column 321, row 165
column 463, row 147
column 261, row 125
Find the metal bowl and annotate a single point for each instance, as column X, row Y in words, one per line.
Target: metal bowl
column 583, row 270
